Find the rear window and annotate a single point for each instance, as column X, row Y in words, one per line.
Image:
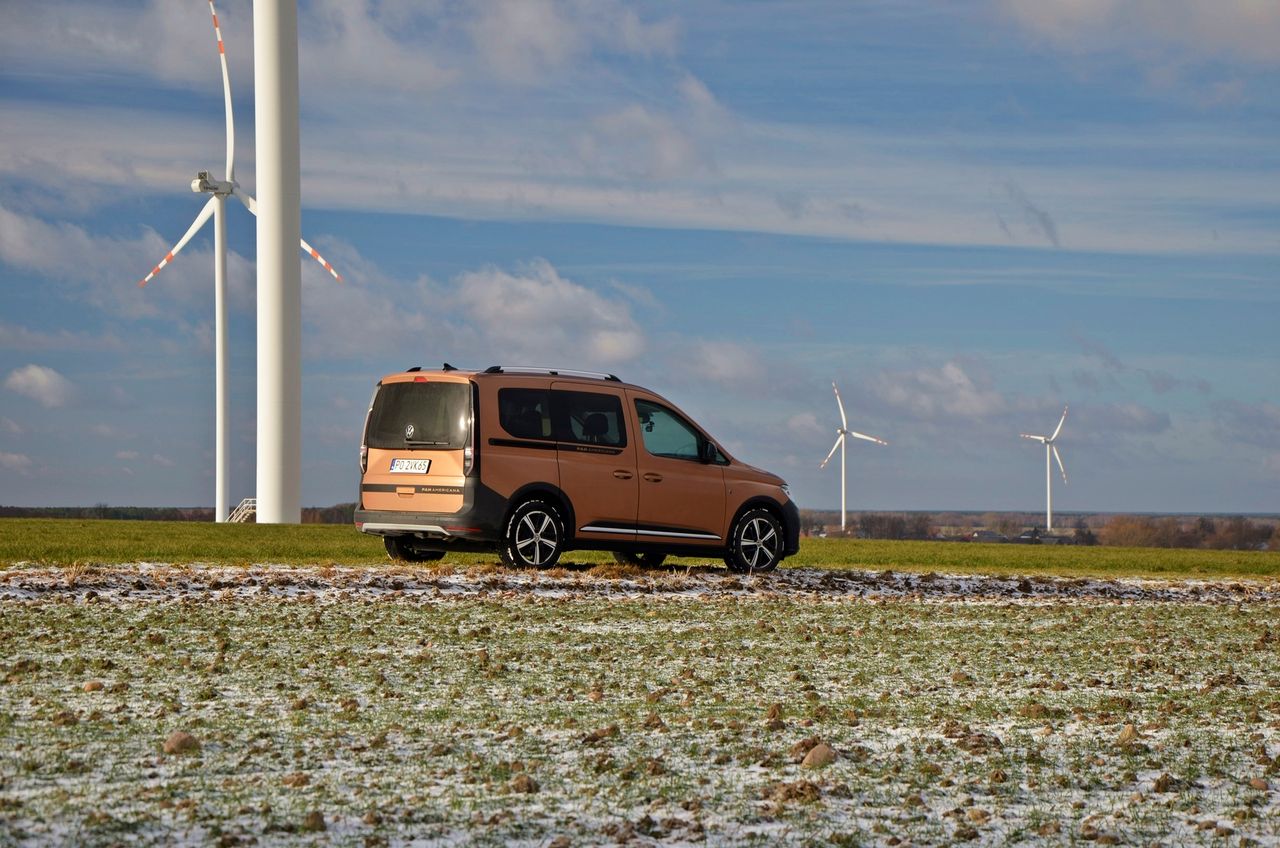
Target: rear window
column 420, row 415
column 525, row 413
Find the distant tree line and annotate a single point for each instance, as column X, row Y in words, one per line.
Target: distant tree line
column 1139, row 531
column 337, row 514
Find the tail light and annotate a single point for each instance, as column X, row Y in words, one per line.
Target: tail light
column 468, row 459
column 364, row 458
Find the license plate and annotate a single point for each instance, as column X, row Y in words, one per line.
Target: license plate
column 410, row 466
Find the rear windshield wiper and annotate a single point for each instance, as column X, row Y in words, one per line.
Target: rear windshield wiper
column 420, row 443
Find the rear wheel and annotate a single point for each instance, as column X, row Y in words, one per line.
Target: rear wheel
column 534, row 536
column 400, row 548
column 643, row 559
column 755, row 544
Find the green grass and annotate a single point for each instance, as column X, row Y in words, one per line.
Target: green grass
column 68, row 542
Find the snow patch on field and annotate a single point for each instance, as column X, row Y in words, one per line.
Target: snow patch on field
column 161, row 581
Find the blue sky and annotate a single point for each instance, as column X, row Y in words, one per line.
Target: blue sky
column 967, row 214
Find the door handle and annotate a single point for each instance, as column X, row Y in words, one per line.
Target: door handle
column 652, row 477
column 622, row 475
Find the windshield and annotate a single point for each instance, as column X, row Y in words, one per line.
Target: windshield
column 420, row 415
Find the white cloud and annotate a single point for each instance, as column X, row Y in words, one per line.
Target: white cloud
column 41, row 384
column 805, row 425
column 724, row 362
column 126, row 455
column 18, row 462
column 13, row 428
column 523, row 40
column 162, row 461
column 1248, row 29
column 17, row 337
column 542, row 317
column 940, row 392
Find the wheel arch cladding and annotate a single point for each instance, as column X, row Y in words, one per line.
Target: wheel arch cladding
column 548, row 492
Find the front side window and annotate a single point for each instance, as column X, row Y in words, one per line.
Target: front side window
column 666, row 434
column 589, row 418
column 420, row 415
column 525, row 413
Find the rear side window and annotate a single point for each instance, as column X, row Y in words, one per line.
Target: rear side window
column 588, row 418
column 420, row 415
column 525, row 413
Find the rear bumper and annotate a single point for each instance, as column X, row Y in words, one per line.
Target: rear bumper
column 479, row 520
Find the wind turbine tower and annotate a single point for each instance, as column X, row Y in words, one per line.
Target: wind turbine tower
column 1050, row 448
column 842, row 432
column 275, row 71
column 216, row 207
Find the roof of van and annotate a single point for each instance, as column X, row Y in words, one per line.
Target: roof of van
column 566, row 374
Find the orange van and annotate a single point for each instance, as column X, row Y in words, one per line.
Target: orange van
column 534, row 462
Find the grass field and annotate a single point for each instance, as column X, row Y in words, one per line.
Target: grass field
column 66, row 542
column 221, row 702
column 524, row 719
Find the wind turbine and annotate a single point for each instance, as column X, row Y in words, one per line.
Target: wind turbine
column 1050, row 448
column 842, row 432
column 217, row 207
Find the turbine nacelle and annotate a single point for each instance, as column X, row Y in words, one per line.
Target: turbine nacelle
column 204, row 184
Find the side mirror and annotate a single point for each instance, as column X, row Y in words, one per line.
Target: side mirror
column 706, row 452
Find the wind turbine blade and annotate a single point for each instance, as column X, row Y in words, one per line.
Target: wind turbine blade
column 857, row 435
column 226, row 97
column 252, row 205
column 317, row 257
column 1033, row 438
column 844, row 422
column 1058, row 429
column 839, row 439
column 182, row 242
column 247, row 199
column 1054, row 448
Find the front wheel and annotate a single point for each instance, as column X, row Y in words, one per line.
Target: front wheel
column 755, row 543
column 398, row 548
column 642, row 559
column 534, row 536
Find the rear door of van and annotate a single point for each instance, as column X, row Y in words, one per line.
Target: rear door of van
column 417, row 435
column 597, row 457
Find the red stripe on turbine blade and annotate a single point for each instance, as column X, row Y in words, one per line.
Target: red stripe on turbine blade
column 168, row 258
column 315, row 255
column 215, row 20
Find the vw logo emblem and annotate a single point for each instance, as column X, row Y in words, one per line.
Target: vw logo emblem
column 408, row 431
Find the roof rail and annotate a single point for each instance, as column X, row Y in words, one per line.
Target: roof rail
column 555, row 372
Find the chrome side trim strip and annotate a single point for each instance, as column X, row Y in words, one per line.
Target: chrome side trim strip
column 383, row 529
column 665, row 533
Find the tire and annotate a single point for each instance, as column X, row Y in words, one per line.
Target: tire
column 533, row 536
column 641, row 559
column 399, row 549
column 755, row 543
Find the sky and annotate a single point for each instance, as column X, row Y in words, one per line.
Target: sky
column 966, row 214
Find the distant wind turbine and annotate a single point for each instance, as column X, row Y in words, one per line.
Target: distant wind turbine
column 216, row 207
column 1050, row 448
column 841, row 433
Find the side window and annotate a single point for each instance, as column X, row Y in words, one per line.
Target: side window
column 525, row 413
column 666, row 434
column 589, row 418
